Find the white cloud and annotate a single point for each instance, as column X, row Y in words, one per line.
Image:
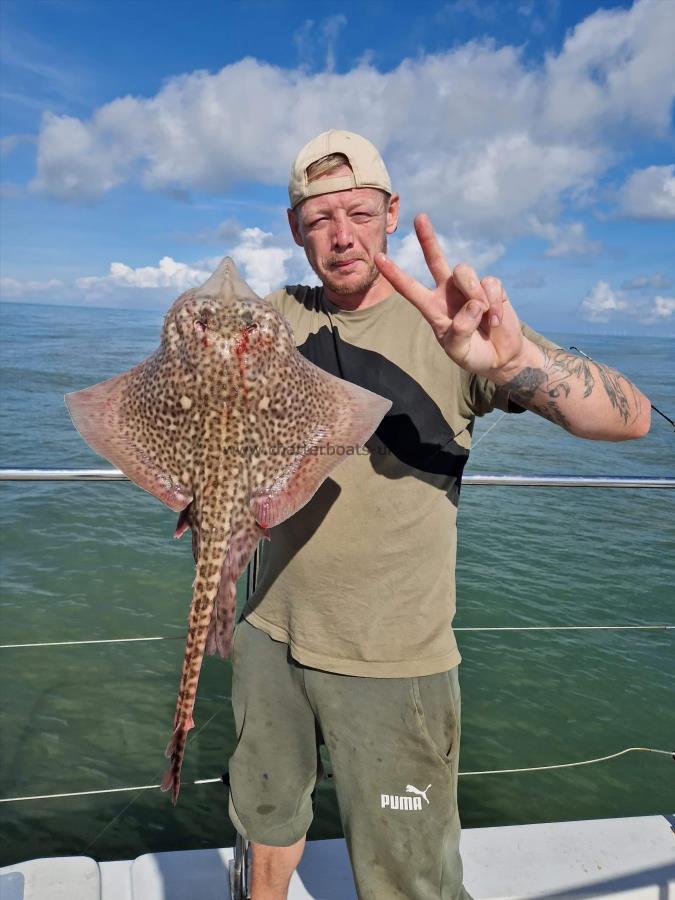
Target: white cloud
column 331, row 29
column 9, row 143
column 615, row 73
column 657, row 281
column 664, row 307
column 17, row 288
column 494, row 184
column 262, row 264
column 650, row 193
column 406, row 253
column 168, row 274
column 566, row 239
column 265, row 261
column 224, row 232
column 475, row 136
column 601, row 303
column 143, row 286
column 312, row 37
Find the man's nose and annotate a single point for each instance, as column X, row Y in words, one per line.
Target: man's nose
column 342, row 232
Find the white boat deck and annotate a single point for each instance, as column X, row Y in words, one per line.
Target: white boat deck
column 632, row 858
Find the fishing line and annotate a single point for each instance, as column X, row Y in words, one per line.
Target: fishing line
column 661, row 627
column 139, row 789
column 146, row 787
column 583, row 762
column 171, row 637
column 485, row 433
column 655, row 408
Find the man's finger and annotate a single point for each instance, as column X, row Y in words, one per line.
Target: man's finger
column 466, row 280
column 467, row 320
column 413, row 291
column 494, row 291
column 433, row 253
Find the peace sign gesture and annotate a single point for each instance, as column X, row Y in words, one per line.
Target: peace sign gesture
column 473, row 320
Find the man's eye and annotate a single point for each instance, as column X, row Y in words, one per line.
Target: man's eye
column 361, row 216
column 319, row 221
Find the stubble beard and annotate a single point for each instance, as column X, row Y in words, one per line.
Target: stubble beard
column 339, row 286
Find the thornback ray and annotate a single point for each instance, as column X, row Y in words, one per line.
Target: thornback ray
column 227, row 424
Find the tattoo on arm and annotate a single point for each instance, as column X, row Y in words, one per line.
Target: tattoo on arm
column 612, row 383
column 541, row 389
column 528, row 384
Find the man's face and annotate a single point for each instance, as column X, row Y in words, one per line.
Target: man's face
column 342, row 232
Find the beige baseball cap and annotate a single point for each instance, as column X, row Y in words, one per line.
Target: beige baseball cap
column 368, row 169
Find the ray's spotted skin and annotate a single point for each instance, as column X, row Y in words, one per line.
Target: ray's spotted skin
column 228, row 425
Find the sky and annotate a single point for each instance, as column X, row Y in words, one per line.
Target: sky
column 142, row 141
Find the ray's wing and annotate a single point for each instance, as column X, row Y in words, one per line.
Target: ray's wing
column 118, row 418
column 332, row 419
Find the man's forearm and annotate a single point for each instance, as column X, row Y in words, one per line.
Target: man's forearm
column 586, row 398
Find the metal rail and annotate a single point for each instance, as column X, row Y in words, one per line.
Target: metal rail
column 595, row 481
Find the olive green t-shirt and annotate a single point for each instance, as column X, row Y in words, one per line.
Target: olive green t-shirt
column 361, row 580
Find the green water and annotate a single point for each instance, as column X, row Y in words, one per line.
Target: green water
column 95, row 561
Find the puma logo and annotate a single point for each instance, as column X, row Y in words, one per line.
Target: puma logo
column 411, row 789
column 405, row 804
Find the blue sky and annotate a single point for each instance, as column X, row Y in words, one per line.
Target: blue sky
column 141, row 141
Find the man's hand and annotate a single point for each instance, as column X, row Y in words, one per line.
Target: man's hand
column 473, row 320
column 479, row 330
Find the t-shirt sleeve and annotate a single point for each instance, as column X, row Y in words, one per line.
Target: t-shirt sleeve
column 481, row 396
column 277, row 299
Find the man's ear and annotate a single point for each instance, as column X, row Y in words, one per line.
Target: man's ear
column 295, row 227
column 393, row 213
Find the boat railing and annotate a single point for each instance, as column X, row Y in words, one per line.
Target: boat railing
column 562, row 481
column 482, row 479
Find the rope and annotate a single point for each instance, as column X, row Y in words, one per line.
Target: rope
column 146, row 787
column 659, row 626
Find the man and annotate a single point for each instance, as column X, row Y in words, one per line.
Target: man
column 348, row 639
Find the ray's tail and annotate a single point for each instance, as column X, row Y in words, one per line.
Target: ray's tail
column 210, row 569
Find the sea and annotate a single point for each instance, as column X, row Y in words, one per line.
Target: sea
column 96, row 561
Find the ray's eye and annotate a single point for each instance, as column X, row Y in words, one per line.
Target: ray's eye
column 204, row 320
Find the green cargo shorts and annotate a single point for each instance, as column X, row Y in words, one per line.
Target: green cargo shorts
column 393, row 745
